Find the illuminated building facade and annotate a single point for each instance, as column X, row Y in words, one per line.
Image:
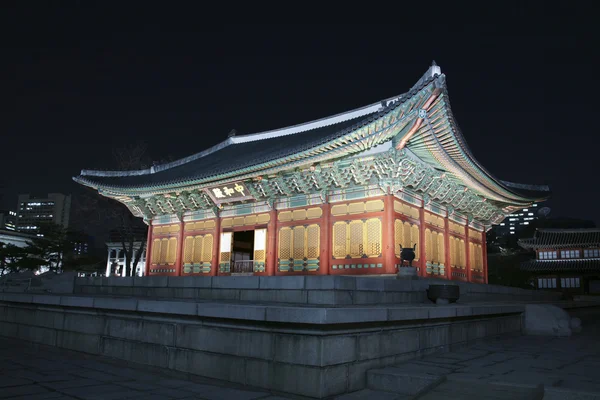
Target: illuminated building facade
column 339, row 195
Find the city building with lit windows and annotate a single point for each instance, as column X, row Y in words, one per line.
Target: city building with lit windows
column 8, row 220
column 35, row 211
column 566, row 259
column 519, row 220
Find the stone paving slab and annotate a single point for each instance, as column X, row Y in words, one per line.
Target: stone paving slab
column 30, row 375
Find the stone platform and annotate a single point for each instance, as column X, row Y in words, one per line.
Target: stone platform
column 295, row 346
column 317, row 290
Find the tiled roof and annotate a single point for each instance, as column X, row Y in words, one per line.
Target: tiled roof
column 562, row 239
column 581, row 265
column 234, row 155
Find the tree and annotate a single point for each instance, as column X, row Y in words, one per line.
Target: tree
column 113, row 215
column 15, row 259
column 53, row 247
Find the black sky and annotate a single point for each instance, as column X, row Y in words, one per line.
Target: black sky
column 78, row 81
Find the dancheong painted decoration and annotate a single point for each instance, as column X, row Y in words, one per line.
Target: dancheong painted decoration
column 339, row 195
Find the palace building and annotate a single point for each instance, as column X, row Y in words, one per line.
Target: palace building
column 339, row 195
column 566, row 259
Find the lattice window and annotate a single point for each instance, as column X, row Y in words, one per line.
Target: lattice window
column 156, row 251
column 407, row 239
column 312, row 241
column 197, row 249
column 339, row 239
column 457, row 253
column 188, row 250
column 164, row 243
column 434, row 247
column 172, row 251
column 398, row 232
column 415, row 236
column 285, row 243
column 356, row 239
column 207, row 248
column 373, row 239
column 299, row 242
column 476, row 255
column 441, row 249
column 407, row 235
column 428, row 246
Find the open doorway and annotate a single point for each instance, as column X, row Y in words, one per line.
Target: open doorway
column 242, row 253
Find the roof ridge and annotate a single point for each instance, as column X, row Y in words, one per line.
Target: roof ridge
column 319, row 123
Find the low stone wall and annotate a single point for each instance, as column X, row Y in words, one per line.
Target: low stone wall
column 318, row 290
column 315, row 352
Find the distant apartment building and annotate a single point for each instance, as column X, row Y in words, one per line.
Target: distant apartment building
column 8, row 220
column 35, row 211
column 520, row 219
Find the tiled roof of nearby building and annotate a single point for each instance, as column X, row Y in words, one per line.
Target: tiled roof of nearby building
column 562, row 239
column 561, row 265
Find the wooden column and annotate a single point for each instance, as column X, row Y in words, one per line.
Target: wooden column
column 214, row 262
column 325, row 239
column 271, row 260
column 389, row 254
column 179, row 260
column 467, row 254
column 148, row 250
column 421, row 249
column 484, row 256
column 447, row 248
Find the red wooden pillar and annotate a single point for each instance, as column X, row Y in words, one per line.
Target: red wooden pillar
column 422, row 250
column 484, row 256
column 467, row 254
column 389, row 254
column 447, row 248
column 214, row 263
column 148, row 249
column 179, row 260
column 325, row 232
column 271, row 261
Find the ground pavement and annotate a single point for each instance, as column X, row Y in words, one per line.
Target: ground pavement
column 30, row 372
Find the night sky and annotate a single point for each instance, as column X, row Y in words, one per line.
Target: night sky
column 78, row 81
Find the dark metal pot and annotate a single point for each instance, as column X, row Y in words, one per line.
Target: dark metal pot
column 407, row 254
column 448, row 292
